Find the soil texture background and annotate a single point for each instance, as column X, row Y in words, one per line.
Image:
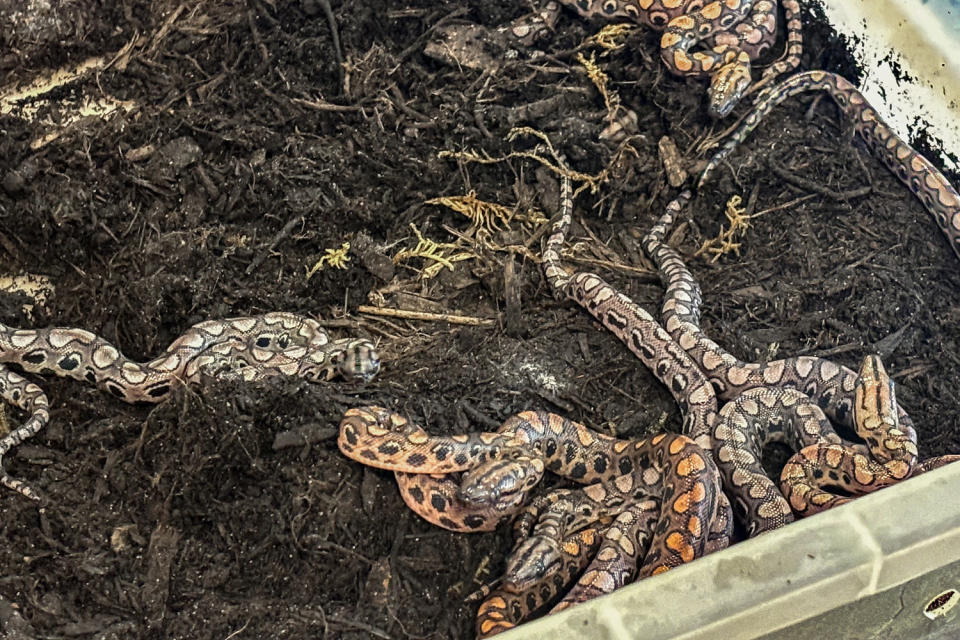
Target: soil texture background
column 243, row 149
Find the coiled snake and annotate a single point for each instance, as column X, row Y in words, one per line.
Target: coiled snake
column 809, row 479
column 249, row 348
column 500, row 469
column 827, row 384
column 604, row 556
column 737, row 32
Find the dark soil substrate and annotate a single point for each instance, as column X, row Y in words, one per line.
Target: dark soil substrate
column 228, row 511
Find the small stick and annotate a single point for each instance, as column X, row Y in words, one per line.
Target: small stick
column 334, row 35
column 788, row 176
column 283, row 233
column 320, row 105
column 429, row 317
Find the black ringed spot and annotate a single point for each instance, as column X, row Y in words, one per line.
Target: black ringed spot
column 34, row 357
column 600, row 463
column 388, row 448
column 69, row 362
column 159, row 391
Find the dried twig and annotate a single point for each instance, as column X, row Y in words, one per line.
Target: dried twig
column 426, row 316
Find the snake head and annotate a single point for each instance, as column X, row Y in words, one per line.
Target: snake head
column 359, row 361
column 533, row 561
column 726, row 88
column 875, row 399
column 502, row 483
column 355, row 360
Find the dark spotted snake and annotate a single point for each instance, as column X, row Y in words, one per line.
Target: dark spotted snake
column 737, row 31
column 501, row 467
column 249, row 348
column 507, row 606
column 604, row 557
column 760, row 501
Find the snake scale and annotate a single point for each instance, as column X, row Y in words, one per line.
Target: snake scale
column 810, row 478
column 770, row 399
column 663, row 494
column 759, row 502
column 735, row 32
column 598, row 559
column 249, row 348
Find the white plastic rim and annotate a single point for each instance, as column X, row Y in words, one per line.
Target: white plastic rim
column 909, row 75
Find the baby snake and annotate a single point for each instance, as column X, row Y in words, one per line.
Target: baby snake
column 926, row 182
column 501, row 467
column 499, row 470
column 250, row 348
column 807, row 476
column 604, row 556
column 829, row 385
column 737, row 32
column 667, row 357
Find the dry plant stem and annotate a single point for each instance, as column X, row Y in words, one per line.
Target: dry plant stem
column 429, row 317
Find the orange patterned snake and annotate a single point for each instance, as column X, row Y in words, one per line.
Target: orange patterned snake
column 736, row 31
column 604, row 556
column 249, row 348
column 500, row 469
column 506, row 606
column 809, row 474
column 760, row 503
